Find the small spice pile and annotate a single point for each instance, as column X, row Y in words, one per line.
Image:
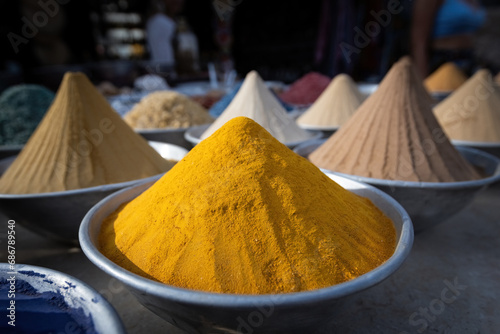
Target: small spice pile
column 254, row 100
column 472, row 112
column 394, row 135
column 306, row 90
column 218, row 107
column 167, row 109
column 334, row 106
column 81, row 142
column 446, row 78
column 209, row 99
column 107, row 88
column 242, row 213
column 497, row 78
column 22, row 107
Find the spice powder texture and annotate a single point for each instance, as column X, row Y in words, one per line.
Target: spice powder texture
column 167, row 109
column 243, row 214
column 81, row 142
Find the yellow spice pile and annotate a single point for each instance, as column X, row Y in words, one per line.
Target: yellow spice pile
column 446, row 78
column 242, row 213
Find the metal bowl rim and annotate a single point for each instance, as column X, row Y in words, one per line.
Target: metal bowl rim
column 484, row 144
column 160, row 130
column 110, row 312
column 101, row 188
column 11, row 147
column 210, row 299
column 318, row 127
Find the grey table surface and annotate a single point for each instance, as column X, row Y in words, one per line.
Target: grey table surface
column 450, row 283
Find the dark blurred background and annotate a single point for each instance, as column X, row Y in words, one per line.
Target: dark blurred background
column 280, row 39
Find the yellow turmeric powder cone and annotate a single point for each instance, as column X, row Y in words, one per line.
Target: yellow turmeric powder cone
column 243, row 214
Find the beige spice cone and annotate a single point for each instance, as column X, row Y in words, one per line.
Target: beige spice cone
column 81, row 142
column 335, row 105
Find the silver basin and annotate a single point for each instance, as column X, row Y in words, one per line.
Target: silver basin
column 57, row 215
column 203, row 312
column 76, row 294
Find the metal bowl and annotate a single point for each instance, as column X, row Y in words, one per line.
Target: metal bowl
column 429, row 203
column 368, row 89
column 57, row 215
column 327, row 130
column 167, row 135
column 440, row 96
column 491, row 148
column 76, row 294
column 194, row 133
column 10, row 150
column 203, row 312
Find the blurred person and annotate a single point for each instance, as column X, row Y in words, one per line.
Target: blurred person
column 161, row 28
column 444, row 30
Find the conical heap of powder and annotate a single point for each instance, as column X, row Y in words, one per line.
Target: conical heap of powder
column 497, row 78
column 335, row 106
column 446, row 78
column 306, row 90
column 81, row 142
column 242, row 213
column 394, row 135
column 472, row 112
column 167, row 109
column 255, row 101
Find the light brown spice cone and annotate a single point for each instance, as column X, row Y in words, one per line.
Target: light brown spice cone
column 81, row 142
column 394, row 135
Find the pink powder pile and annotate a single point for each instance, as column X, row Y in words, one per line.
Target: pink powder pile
column 306, row 90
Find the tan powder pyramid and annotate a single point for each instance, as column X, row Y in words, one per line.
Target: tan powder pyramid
column 446, row 78
column 334, row 106
column 231, row 217
column 394, row 135
column 81, row 142
column 472, row 112
column 255, row 101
